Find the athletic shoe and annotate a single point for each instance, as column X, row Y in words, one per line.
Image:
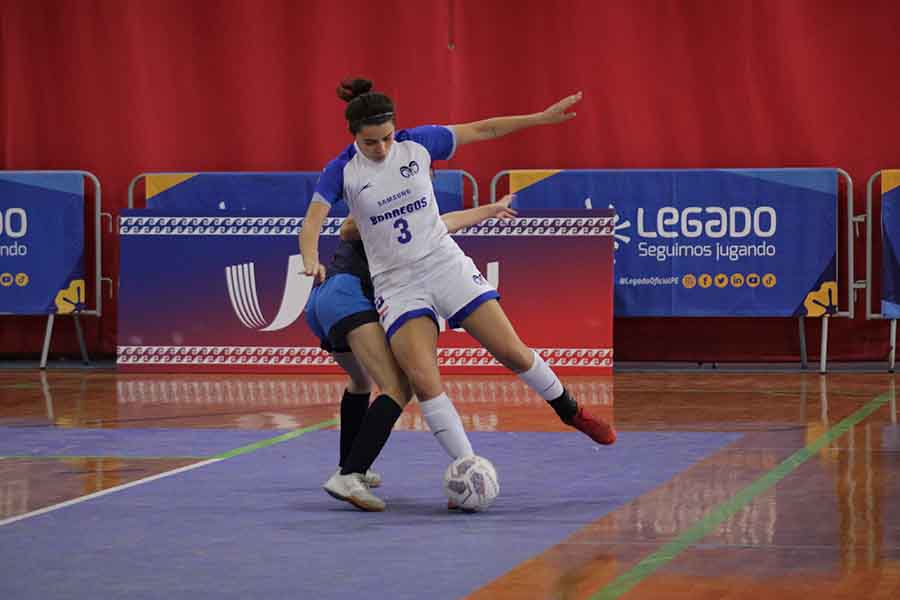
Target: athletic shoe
column 352, row 488
column 594, row 427
column 372, row 478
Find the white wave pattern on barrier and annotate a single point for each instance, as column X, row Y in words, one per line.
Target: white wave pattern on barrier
column 207, row 225
column 313, row 356
column 552, row 226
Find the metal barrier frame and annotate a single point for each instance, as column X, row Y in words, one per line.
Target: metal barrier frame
column 852, row 285
column 471, row 179
column 97, row 311
column 133, row 184
column 866, row 283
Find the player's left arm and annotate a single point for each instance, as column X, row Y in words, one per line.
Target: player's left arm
column 489, row 129
column 309, row 239
column 456, row 220
column 460, row 219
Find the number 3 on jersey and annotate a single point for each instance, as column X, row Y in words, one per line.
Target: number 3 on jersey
column 405, row 234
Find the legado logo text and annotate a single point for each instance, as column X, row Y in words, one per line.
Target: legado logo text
column 711, row 223
column 13, row 225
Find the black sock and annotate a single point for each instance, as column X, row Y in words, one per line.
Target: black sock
column 565, row 406
column 375, row 430
column 353, row 411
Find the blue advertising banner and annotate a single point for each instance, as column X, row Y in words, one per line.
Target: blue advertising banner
column 258, row 193
column 890, row 244
column 41, row 243
column 228, row 291
column 708, row 243
column 263, row 193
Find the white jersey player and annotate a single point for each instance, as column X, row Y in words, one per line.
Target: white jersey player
column 419, row 272
column 395, row 209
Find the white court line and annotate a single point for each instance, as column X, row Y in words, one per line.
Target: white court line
column 111, row 490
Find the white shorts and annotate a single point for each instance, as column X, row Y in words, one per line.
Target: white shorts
column 445, row 283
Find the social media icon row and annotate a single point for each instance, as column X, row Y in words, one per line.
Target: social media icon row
column 20, row 279
column 723, row 280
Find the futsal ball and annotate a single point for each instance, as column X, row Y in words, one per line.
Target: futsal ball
column 471, row 483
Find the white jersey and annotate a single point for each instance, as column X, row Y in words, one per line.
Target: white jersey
column 392, row 201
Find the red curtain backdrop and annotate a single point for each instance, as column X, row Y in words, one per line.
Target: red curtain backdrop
column 118, row 87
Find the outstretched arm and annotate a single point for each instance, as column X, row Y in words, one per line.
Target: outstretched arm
column 456, row 220
column 460, row 219
column 489, row 129
column 309, row 239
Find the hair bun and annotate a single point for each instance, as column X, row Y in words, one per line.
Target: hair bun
column 351, row 88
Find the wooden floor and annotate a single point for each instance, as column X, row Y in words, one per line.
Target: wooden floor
column 804, row 503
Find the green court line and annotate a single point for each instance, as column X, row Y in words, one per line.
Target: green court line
column 727, row 509
column 228, row 454
column 275, row 440
column 198, row 464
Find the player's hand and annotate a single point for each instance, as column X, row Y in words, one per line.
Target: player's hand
column 557, row 112
column 349, row 231
column 315, row 269
column 501, row 209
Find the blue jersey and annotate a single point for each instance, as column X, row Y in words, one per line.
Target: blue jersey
column 350, row 257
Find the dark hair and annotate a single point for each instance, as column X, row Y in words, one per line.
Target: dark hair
column 364, row 107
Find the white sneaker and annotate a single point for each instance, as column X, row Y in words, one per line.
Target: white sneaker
column 372, row 478
column 352, row 488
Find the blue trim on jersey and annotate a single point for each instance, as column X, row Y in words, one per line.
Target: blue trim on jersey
column 440, row 141
column 330, row 187
column 419, row 312
column 456, row 320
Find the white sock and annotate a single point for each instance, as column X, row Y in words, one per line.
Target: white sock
column 447, row 427
column 542, row 380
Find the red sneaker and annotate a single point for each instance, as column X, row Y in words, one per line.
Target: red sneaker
column 594, row 427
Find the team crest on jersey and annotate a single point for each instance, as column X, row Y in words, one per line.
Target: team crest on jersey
column 478, row 278
column 410, row 170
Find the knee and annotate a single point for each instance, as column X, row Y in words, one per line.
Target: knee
column 400, row 392
column 359, row 383
column 517, row 357
column 425, row 382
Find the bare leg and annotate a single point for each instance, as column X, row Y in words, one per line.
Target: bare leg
column 371, row 350
column 489, row 325
column 370, row 347
column 415, row 346
column 359, row 383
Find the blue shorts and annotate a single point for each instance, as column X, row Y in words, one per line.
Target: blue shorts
column 336, row 308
